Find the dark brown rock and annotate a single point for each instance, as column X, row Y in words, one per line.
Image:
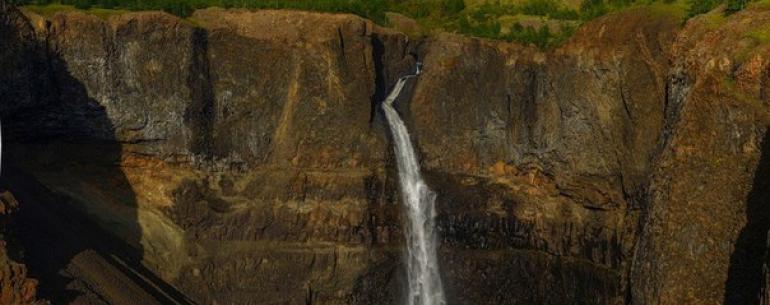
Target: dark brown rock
column 242, row 154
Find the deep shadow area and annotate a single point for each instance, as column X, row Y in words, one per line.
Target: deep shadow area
column 52, row 128
column 380, row 79
column 745, row 278
column 201, row 111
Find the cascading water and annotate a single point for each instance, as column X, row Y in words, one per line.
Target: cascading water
column 422, row 265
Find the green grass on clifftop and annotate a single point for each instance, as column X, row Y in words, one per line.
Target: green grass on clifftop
column 544, row 23
column 49, row 10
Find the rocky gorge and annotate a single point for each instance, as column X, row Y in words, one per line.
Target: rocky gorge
column 241, row 157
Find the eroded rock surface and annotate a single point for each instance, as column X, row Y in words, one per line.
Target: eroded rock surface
column 706, row 219
column 243, row 158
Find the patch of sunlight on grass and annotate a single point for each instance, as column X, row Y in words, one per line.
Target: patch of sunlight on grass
column 105, row 13
column 715, row 19
column 48, row 10
column 765, row 4
column 762, row 35
column 676, row 8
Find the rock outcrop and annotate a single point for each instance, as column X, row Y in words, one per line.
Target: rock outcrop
column 706, row 219
column 16, row 288
column 243, row 158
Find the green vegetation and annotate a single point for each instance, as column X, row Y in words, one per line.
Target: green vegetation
column 49, row 10
column 761, row 35
column 593, row 8
column 736, row 5
column 714, row 20
column 372, row 9
column 485, row 21
column 677, row 8
column 698, row 7
column 702, row 6
column 763, row 3
column 543, row 23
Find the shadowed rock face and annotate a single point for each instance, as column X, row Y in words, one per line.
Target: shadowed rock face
column 15, row 285
column 242, row 158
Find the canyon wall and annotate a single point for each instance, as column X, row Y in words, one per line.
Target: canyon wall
column 706, row 220
column 243, row 158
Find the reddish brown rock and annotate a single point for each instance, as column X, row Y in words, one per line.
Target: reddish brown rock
column 706, row 220
column 16, row 288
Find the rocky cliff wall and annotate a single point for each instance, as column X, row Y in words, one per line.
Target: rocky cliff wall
column 706, row 221
column 243, row 157
column 15, row 285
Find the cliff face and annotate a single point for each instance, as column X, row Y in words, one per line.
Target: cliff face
column 15, row 285
column 243, row 159
column 705, row 237
column 542, row 158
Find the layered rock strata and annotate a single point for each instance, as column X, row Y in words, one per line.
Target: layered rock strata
column 242, row 157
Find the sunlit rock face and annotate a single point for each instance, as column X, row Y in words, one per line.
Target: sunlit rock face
column 243, row 158
column 709, row 193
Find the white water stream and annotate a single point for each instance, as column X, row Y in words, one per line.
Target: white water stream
column 422, row 265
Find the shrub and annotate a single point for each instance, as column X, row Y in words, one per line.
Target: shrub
column 590, row 9
column 82, row 4
column 620, row 3
column 701, row 6
column 479, row 26
column 539, row 7
column 453, row 6
column 540, row 37
column 736, row 5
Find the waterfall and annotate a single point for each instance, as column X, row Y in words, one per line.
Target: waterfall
column 422, row 265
